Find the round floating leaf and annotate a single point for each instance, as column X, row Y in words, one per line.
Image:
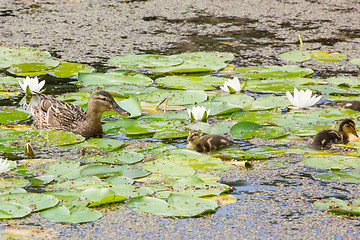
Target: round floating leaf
column 270, row 86
column 326, row 56
column 347, row 176
column 339, row 206
column 119, row 180
column 132, row 105
column 297, row 56
column 170, row 133
column 117, row 158
column 134, row 172
column 97, row 196
column 241, row 100
column 330, row 90
column 12, row 183
column 100, row 170
column 13, row 210
column 131, row 191
column 220, row 127
column 198, row 62
column 166, row 167
column 61, row 168
column 178, row 205
column 70, row 70
column 145, row 60
column 355, row 61
column 12, row 55
column 61, row 138
column 177, row 97
column 33, row 68
column 72, row 215
column 9, row 190
column 219, row 108
column 259, row 117
column 117, row 77
column 269, row 102
column 344, row 81
column 11, row 115
column 250, row 129
column 194, row 186
column 191, row 82
column 332, row 162
column 273, row 71
column 103, row 143
column 35, row 201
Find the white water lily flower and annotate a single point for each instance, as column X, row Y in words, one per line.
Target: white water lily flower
column 4, row 165
column 232, row 85
column 198, row 113
column 32, row 85
column 302, row 99
column 27, row 105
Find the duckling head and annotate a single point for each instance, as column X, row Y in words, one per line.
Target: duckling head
column 194, row 137
column 102, row 101
column 348, row 126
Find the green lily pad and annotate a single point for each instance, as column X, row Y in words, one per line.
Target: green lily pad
column 71, row 215
column 13, row 182
column 269, row 102
column 37, row 202
column 220, row 108
column 61, row 138
column 220, row 127
column 257, row 153
column 331, row 90
column 100, row 170
column 273, row 71
column 259, row 117
column 241, row 100
column 326, row 56
column 145, row 60
column 332, row 162
column 167, row 167
column 117, row 158
column 14, row 55
column 297, row 56
column 250, row 129
column 344, row 81
column 188, row 158
column 33, row 68
column 339, row 206
column 103, row 143
column 70, row 70
column 270, row 85
column 346, row 176
column 191, row 82
column 132, row 105
column 170, row 133
column 11, row 115
column 198, row 62
column 355, row 61
column 177, row 97
column 117, row 77
column 13, row 210
column 97, row 196
column 178, row 205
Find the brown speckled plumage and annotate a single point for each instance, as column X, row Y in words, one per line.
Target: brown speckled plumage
column 325, row 138
column 59, row 115
column 206, row 143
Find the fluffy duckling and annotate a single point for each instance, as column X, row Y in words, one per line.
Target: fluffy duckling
column 206, row 143
column 354, row 105
column 325, row 138
column 59, row 115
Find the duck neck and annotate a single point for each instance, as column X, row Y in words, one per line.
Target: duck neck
column 93, row 117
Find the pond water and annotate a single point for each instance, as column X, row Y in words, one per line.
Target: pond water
column 274, row 198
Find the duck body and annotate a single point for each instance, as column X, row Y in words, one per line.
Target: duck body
column 59, row 115
column 325, row 138
column 206, row 143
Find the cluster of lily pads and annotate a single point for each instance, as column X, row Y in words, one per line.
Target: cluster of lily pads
column 162, row 93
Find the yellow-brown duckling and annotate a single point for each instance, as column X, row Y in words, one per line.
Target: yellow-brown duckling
column 325, row 138
column 59, row 115
column 206, row 143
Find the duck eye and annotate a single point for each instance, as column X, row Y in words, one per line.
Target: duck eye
column 103, row 99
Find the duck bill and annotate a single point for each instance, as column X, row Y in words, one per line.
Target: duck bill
column 118, row 109
column 355, row 133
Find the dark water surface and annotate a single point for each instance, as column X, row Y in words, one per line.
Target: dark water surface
column 275, row 197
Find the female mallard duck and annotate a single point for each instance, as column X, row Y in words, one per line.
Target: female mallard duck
column 206, row 143
column 325, row 138
column 58, row 115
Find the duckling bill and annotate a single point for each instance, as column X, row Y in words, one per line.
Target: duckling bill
column 325, row 138
column 59, row 115
column 206, row 143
